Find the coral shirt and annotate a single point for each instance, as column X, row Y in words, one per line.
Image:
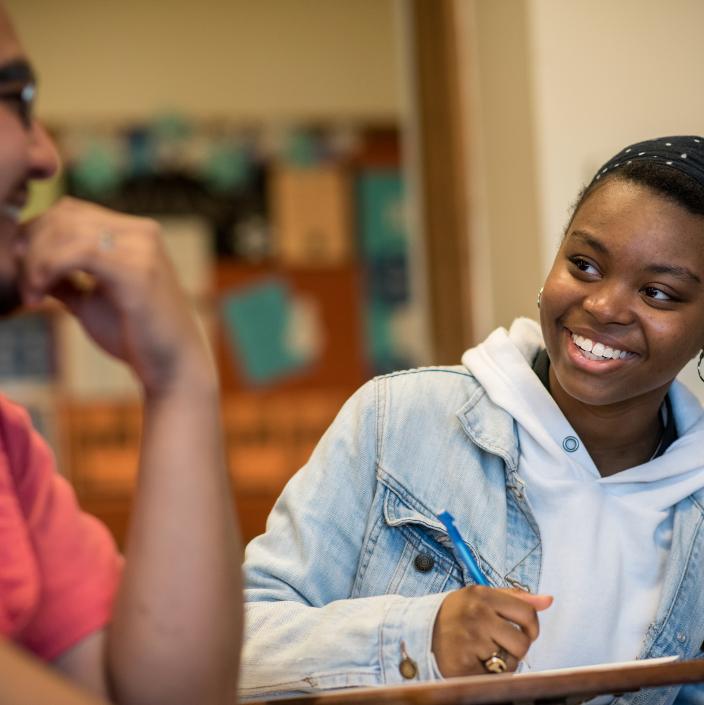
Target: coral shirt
column 59, row 567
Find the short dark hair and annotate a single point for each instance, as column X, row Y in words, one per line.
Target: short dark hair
column 670, row 183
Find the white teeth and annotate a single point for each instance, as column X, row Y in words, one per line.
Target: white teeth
column 598, row 351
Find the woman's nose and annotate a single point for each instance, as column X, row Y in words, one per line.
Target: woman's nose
column 610, row 303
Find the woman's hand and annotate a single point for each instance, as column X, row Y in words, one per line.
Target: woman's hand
column 132, row 305
column 475, row 622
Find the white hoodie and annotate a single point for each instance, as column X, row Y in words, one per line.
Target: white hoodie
column 605, row 540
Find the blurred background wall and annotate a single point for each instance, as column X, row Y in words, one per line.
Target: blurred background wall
column 267, row 138
column 275, row 59
column 437, row 144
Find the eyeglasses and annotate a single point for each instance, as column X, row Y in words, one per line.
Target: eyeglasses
column 21, row 100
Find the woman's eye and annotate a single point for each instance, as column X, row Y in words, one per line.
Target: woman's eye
column 652, row 292
column 583, row 265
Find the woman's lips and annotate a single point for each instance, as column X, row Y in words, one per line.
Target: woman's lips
column 601, row 356
column 595, row 350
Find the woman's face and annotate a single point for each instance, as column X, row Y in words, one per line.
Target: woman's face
column 622, row 309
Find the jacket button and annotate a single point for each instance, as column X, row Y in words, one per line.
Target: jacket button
column 424, row 562
column 408, row 668
column 681, row 637
column 570, row 444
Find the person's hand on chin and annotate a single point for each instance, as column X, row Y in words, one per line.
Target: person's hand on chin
column 112, row 272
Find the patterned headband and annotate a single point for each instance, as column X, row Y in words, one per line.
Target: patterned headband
column 684, row 153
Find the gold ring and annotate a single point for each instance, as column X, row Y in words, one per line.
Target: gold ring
column 496, row 663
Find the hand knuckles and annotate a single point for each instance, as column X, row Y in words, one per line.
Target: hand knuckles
column 474, row 609
column 522, row 645
column 477, row 616
column 531, row 634
column 471, row 633
column 65, row 203
column 479, row 590
column 149, row 228
column 68, row 201
column 477, row 596
column 67, row 209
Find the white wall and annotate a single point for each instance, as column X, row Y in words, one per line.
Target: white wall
column 241, row 59
column 607, row 73
column 505, row 229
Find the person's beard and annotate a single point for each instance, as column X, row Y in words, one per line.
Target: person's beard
column 10, row 268
column 10, row 296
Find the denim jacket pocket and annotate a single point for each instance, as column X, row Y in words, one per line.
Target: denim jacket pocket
column 407, row 553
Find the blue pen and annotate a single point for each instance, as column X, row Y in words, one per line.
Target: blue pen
column 461, row 547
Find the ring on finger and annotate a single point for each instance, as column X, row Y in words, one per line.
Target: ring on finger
column 496, row 662
column 106, row 241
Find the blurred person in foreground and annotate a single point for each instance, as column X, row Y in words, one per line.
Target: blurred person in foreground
column 165, row 626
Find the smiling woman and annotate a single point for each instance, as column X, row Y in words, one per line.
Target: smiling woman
column 628, row 277
column 567, row 453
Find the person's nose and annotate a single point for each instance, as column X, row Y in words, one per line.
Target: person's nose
column 44, row 159
column 610, row 302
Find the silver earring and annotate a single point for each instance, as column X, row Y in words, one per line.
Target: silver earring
column 540, row 296
column 699, row 365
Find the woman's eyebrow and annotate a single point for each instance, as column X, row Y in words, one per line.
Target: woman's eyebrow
column 675, row 271
column 16, row 71
column 591, row 241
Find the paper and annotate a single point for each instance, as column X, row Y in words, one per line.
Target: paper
column 258, row 321
column 312, row 216
column 597, row 666
column 381, row 213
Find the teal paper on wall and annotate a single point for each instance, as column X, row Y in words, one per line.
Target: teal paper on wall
column 257, row 320
column 380, row 204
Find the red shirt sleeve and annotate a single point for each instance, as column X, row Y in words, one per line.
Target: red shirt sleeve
column 75, row 561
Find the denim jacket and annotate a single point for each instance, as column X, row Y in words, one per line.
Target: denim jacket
column 353, row 566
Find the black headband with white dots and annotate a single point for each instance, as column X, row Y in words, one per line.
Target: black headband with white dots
column 682, row 152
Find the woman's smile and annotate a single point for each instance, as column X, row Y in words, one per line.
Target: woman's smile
column 594, row 356
column 598, row 350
